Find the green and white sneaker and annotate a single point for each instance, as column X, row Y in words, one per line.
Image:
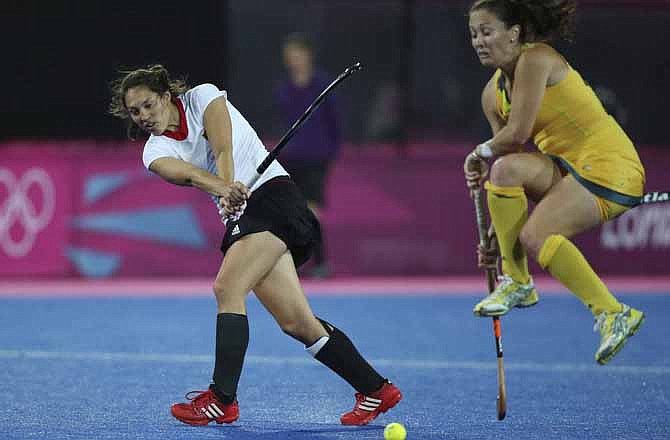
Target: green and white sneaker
column 615, row 329
column 507, row 294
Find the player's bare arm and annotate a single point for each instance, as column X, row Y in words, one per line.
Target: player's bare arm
column 474, row 168
column 219, row 130
column 179, row 172
column 489, row 107
column 531, row 75
column 530, row 80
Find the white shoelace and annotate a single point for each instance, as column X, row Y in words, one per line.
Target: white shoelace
column 600, row 322
column 618, row 324
column 503, row 282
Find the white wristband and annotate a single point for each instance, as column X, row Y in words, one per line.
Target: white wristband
column 483, row 150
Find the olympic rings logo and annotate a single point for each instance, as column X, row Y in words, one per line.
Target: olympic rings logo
column 18, row 207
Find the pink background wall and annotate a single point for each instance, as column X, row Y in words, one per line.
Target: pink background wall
column 69, row 210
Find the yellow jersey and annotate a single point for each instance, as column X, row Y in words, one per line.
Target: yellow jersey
column 574, row 129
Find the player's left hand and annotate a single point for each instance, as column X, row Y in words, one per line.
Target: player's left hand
column 229, row 213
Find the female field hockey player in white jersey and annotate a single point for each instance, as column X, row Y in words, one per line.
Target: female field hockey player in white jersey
column 197, row 138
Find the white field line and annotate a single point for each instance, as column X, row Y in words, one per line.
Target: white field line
column 415, row 364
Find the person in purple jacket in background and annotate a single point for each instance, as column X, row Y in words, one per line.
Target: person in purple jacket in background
column 313, row 149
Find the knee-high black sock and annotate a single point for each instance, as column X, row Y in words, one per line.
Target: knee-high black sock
column 340, row 355
column 232, row 339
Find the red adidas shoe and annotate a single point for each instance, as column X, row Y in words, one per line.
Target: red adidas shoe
column 367, row 408
column 204, row 408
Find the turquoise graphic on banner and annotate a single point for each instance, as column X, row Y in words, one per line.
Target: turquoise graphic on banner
column 99, row 185
column 175, row 225
column 92, row 263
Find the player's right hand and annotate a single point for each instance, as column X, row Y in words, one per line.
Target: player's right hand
column 487, row 256
column 476, row 170
column 233, row 200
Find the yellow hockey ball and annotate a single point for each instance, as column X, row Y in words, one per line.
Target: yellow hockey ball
column 395, row 431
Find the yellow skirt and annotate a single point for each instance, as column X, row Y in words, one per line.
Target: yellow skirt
column 616, row 184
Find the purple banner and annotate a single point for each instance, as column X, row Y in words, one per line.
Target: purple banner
column 91, row 210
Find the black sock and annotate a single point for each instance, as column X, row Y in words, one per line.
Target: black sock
column 340, row 355
column 232, row 339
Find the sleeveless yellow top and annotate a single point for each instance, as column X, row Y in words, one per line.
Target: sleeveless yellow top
column 573, row 128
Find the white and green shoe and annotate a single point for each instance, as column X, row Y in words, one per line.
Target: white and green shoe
column 615, row 329
column 507, row 294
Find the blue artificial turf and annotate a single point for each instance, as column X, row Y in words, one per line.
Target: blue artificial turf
column 110, row 368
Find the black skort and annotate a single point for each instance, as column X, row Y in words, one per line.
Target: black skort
column 278, row 206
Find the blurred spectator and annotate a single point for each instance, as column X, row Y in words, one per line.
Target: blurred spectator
column 314, row 147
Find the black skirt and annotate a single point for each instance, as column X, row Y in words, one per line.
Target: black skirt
column 278, row 207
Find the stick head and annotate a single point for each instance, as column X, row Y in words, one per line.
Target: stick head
column 353, row 68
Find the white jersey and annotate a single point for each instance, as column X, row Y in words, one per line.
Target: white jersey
column 190, row 145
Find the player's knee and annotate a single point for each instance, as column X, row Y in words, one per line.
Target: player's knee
column 226, row 293
column 219, row 288
column 507, row 171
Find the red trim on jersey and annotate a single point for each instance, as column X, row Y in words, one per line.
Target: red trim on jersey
column 182, row 132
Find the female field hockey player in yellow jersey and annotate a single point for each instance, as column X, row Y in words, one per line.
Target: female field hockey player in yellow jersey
column 586, row 171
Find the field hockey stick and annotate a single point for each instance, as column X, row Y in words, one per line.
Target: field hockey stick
column 501, row 400
column 272, row 155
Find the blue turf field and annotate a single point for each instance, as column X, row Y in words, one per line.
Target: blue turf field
column 110, row 368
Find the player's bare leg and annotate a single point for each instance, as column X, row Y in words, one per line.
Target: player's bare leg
column 281, row 293
column 546, row 237
column 513, row 177
column 247, row 261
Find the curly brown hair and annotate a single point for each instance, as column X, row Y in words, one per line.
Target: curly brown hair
column 540, row 20
column 155, row 77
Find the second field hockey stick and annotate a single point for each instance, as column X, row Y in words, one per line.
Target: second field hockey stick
column 501, row 401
